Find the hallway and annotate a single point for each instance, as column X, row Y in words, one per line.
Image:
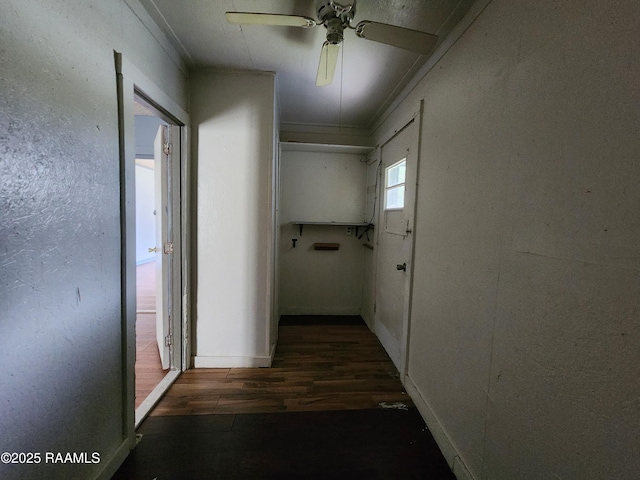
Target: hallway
column 331, row 406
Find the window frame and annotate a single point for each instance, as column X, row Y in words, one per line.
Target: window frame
column 395, row 186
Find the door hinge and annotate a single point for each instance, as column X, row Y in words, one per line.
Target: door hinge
column 168, row 340
column 375, row 306
column 168, row 248
column 166, row 148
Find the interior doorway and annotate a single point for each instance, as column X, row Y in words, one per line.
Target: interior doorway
column 158, row 271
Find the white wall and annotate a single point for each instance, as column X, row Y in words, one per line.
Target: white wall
column 145, row 219
column 146, row 130
column 524, row 329
column 60, row 292
column 321, row 187
column 369, row 262
column 274, row 272
column 233, row 141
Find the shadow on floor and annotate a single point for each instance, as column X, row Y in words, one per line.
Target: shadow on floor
column 359, row 444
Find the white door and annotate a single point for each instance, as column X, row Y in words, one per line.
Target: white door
column 394, row 245
column 163, row 244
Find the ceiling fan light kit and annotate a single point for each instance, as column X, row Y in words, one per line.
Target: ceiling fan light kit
column 335, row 17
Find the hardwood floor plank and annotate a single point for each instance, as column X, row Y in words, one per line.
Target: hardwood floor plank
column 148, row 368
column 315, row 367
column 332, row 406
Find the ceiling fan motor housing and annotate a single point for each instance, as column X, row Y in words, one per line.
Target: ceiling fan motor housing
column 335, row 17
column 334, row 30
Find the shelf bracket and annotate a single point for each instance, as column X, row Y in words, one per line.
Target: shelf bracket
column 366, row 229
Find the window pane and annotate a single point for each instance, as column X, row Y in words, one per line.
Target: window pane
column 395, row 198
column 396, row 173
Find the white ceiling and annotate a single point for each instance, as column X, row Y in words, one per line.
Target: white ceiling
column 369, row 74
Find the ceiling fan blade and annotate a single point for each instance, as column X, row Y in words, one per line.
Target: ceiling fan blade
column 246, row 18
column 327, row 65
column 407, row 39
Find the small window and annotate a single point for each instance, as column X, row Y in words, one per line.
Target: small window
column 394, row 185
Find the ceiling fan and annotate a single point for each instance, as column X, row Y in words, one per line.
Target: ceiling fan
column 336, row 18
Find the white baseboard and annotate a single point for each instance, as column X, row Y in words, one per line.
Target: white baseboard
column 202, row 361
column 272, row 353
column 460, row 470
column 447, row 448
column 389, row 343
column 368, row 320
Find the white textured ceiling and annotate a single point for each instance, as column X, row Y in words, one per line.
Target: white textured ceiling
column 369, row 74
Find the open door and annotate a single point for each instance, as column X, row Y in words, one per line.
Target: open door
column 164, row 247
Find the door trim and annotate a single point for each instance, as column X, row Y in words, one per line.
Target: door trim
column 404, row 342
column 131, row 83
column 410, row 271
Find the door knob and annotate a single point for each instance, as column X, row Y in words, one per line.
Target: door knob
column 402, row 267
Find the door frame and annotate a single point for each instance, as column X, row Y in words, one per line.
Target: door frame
column 133, row 84
column 174, row 268
column 415, row 145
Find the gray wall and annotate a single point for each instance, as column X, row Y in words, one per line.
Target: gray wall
column 60, row 313
column 524, row 331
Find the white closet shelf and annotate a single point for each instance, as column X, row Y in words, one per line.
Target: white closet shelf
column 326, row 148
column 358, row 225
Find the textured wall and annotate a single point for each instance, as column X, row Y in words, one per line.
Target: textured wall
column 524, row 331
column 60, row 314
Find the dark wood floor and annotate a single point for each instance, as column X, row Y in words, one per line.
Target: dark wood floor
column 318, row 366
column 356, row 444
column 331, row 407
